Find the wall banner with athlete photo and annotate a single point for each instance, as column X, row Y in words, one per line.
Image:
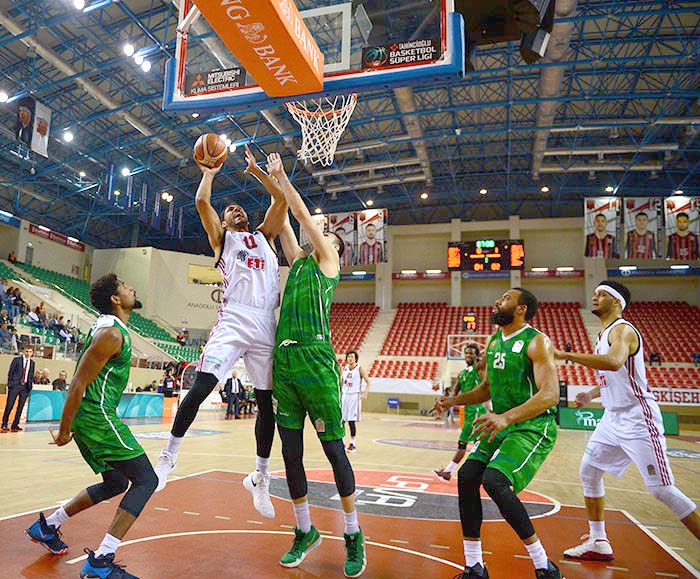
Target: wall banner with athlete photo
column 343, row 225
column 321, row 220
column 602, row 226
column 371, row 236
column 24, row 122
column 682, row 227
column 42, row 126
column 643, row 217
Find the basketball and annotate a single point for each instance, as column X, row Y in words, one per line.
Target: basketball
column 210, row 150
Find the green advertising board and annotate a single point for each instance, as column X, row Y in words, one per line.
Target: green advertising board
column 588, row 419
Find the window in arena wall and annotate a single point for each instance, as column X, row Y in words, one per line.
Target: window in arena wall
column 203, row 275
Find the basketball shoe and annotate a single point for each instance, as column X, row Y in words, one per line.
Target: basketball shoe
column 591, row 550
column 258, row 485
column 166, row 464
column 303, row 544
column 352, row 447
column 47, row 536
column 355, row 555
column 551, row 572
column 474, row 572
column 103, row 567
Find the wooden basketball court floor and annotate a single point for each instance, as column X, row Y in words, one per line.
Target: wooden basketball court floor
column 204, row 525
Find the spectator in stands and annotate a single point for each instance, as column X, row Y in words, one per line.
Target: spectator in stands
column 5, row 338
column 655, row 357
column 234, row 393
column 60, row 382
column 250, row 397
column 180, row 338
column 152, row 387
column 168, row 383
column 10, row 303
column 567, row 348
column 14, row 347
column 696, row 359
column 44, row 378
column 3, row 287
column 34, row 320
column 12, row 257
column 5, row 318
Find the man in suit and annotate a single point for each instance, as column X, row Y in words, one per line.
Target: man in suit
column 232, row 389
column 20, row 380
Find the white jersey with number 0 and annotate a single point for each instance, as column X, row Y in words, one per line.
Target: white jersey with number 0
column 250, row 271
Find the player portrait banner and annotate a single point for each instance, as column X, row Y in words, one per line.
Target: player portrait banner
column 642, row 219
column 321, row 222
column 110, row 182
column 602, row 226
column 343, row 225
column 155, row 217
column 181, row 223
column 24, row 121
column 170, row 223
column 371, row 236
column 143, row 203
column 129, row 194
column 682, row 227
column 42, row 126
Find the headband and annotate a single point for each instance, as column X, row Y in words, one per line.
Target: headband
column 614, row 293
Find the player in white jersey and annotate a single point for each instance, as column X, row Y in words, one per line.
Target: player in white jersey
column 351, row 379
column 631, row 429
column 245, row 325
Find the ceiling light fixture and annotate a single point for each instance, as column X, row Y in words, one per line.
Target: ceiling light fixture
column 126, row 171
column 79, row 4
column 67, row 136
column 483, row 191
column 370, row 202
column 146, row 66
column 545, row 189
column 117, row 192
column 678, row 192
column 423, row 195
column 609, row 189
column 81, row 174
column 3, row 96
column 317, row 211
column 138, row 59
column 129, row 49
column 195, row 115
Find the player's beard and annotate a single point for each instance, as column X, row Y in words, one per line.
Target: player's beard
column 137, row 305
column 501, row 318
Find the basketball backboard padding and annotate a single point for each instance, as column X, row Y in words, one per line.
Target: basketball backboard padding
column 271, row 41
column 337, row 80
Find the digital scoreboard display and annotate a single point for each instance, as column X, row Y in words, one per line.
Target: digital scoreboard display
column 486, row 255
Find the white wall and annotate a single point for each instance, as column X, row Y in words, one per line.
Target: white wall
column 354, row 292
column 132, row 264
column 50, row 254
column 9, row 237
column 421, row 291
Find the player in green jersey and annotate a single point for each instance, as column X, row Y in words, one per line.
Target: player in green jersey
column 107, row 445
column 468, row 379
column 514, row 439
column 306, row 379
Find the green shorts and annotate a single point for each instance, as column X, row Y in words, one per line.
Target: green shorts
column 306, row 380
column 103, row 437
column 519, row 450
column 470, row 413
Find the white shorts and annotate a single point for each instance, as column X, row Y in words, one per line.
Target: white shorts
column 612, row 453
column 248, row 333
column 351, row 405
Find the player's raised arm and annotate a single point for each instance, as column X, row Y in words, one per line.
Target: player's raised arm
column 290, row 245
column 106, row 343
column 329, row 261
column 276, row 213
column 207, row 214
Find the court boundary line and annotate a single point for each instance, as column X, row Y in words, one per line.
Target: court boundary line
column 694, row 572
column 61, row 503
column 270, row 532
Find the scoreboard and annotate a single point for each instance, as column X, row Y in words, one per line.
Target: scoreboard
column 486, row 255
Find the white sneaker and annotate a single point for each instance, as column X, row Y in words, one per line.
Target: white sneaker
column 598, row 550
column 166, row 465
column 258, row 485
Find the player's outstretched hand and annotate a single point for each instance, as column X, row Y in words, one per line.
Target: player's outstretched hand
column 275, row 167
column 60, row 439
column 442, row 404
column 559, row 355
column 582, row 399
column 489, row 424
column 250, row 159
column 209, row 170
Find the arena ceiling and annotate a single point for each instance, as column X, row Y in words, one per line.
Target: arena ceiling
column 616, row 103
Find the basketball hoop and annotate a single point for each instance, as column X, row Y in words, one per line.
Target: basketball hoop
column 322, row 123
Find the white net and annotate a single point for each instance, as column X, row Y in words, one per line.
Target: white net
column 322, row 123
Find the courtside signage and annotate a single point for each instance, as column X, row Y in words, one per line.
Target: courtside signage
column 588, row 419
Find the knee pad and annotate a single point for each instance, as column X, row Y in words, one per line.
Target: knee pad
column 469, row 476
column 498, row 487
column 591, row 479
column 113, row 484
column 293, row 453
column 674, row 499
column 342, row 471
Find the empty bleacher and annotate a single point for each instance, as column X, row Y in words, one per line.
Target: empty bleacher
column 664, row 377
column 181, row 353
column 562, row 322
column 411, row 369
column 350, row 323
column 670, row 328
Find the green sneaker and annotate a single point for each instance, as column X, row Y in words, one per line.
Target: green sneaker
column 355, row 556
column 303, row 544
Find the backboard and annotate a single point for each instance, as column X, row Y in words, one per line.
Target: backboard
column 366, row 44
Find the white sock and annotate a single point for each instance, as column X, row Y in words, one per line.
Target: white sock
column 108, row 545
column 174, row 443
column 352, row 441
column 537, row 554
column 262, row 464
column 450, row 467
column 473, row 553
column 303, row 516
column 58, row 518
column 596, row 530
column 351, row 525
